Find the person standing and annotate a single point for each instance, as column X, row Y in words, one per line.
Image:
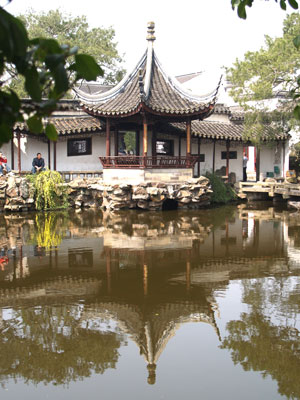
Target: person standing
column 38, row 164
column 245, row 162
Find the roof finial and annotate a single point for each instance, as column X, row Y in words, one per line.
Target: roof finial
column 151, row 31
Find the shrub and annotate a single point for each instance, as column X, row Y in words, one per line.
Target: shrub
column 222, row 192
column 50, row 194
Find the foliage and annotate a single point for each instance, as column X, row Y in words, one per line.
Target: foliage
column 75, row 32
column 55, row 344
column 263, row 341
column 49, row 70
column 241, row 5
column 264, row 74
column 222, row 192
column 130, row 141
column 49, row 229
column 50, row 193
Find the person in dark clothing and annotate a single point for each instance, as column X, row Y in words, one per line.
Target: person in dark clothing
column 38, row 164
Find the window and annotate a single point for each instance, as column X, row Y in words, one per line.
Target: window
column 79, row 147
column 165, row 147
column 201, row 156
column 232, row 155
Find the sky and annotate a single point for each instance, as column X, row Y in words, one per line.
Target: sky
column 191, row 35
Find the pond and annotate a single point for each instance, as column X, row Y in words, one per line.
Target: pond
column 166, row 305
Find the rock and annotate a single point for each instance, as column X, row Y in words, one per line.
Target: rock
column 143, row 204
column 183, row 193
column 24, row 189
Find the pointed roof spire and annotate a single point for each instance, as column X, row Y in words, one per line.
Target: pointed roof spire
column 149, row 88
column 151, row 30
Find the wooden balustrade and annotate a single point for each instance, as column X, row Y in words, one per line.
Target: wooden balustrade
column 149, row 161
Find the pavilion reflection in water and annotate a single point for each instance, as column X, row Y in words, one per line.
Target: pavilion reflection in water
column 149, row 274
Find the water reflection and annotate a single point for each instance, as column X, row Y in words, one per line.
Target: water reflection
column 75, row 286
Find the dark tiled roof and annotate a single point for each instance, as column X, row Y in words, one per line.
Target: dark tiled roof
column 62, row 105
column 222, row 131
column 221, row 109
column 93, row 88
column 153, row 91
column 65, row 126
column 187, row 77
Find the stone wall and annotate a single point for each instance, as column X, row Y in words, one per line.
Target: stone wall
column 17, row 194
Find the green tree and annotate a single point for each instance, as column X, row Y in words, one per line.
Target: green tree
column 265, row 73
column 241, row 5
column 258, row 343
column 55, row 344
column 74, row 31
column 49, row 70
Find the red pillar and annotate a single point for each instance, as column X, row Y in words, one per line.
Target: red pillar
column 12, row 150
column 19, row 151
column 188, row 137
column 107, row 137
column 227, row 158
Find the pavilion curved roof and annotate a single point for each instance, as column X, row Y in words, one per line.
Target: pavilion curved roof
column 148, row 88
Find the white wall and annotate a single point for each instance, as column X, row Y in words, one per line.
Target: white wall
column 271, row 155
column 80, row 163
column 29, row 148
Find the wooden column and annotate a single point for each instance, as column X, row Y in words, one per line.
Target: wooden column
column 227, row 158
column 199, row 144
column 145, row 137
column 107, row 146
column 49, row 154
column 188, row 137
column 12, row 150
column 257, row 164
column 188, row 275
column 54, row 156
column 116, row 140
column 145, row 279
column 19, row 151
column 214, row 156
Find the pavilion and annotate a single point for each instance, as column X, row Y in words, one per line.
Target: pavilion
column 139, row 107
column 148, row 128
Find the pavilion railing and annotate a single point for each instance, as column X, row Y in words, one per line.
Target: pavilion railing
column 149, row 162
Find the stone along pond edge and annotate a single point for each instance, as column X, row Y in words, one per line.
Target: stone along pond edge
column 18, row 194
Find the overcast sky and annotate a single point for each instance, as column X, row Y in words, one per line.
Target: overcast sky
column 192, row 35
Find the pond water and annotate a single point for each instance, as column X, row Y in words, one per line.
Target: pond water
column 166, row 305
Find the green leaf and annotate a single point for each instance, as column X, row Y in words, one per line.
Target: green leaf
column 51, row 132
column 61, row 79
column 296, row 112
column 53, row 60
column 35, row 124
column 296, row 41
column 87, row 68
column 242, row 11
column 283, row 4
column 293, row 4
column 5, row 133
column 32, row 84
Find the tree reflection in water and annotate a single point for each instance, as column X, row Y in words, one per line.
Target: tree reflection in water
column 265, row 338
column 54, row 344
